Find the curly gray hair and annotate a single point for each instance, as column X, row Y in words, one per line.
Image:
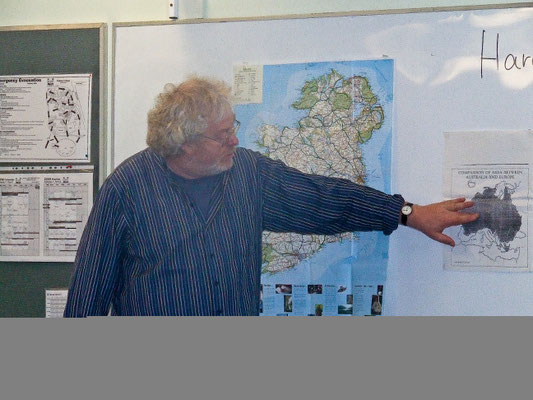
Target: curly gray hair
column 184, row 111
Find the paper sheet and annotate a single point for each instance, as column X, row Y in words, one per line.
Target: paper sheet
column 494, row 170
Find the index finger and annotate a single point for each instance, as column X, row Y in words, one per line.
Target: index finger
column 460, row 203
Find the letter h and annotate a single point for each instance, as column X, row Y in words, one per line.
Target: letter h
column 497, row 58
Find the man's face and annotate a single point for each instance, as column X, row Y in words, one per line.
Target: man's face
column 214, row 152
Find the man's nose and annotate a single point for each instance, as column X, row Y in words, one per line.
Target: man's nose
column 233, row 140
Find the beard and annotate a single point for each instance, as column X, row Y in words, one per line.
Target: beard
column 222, row 165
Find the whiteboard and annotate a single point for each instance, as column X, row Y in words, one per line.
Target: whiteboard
column 443, row 83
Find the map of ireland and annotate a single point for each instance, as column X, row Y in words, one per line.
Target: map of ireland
column 331, row 119
column 341, row 113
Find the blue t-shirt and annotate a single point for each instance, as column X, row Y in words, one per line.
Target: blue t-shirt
column 200, row 191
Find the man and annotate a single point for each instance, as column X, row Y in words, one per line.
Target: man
column 176, row 229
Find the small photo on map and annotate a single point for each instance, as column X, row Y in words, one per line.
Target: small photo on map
column 314, row 289
column 345, row 309
column 287, row 303
column 283, row 288
column 349, row 299
column 376, row 306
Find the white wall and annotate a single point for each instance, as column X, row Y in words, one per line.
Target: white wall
column 32, row 12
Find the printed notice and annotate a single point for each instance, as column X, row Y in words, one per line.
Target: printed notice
column 56, row 300
column 43, row 215
column 248, row 84
column 45, row 118
column 499, row 239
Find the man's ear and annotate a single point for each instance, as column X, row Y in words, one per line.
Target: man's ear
column 186, row 147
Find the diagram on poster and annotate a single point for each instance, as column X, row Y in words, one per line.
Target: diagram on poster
column 499, row 237
column 45, row 118
column 501, row 193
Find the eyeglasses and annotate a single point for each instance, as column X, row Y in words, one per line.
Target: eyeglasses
column 228, row 134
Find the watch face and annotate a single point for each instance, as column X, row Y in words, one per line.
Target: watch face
column 406, row 210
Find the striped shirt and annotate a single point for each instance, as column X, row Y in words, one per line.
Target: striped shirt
column 146, row 250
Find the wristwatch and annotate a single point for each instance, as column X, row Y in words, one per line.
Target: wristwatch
column 407, row 209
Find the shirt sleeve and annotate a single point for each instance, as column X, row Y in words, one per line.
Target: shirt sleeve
column 312, row 204
column 98, row 258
